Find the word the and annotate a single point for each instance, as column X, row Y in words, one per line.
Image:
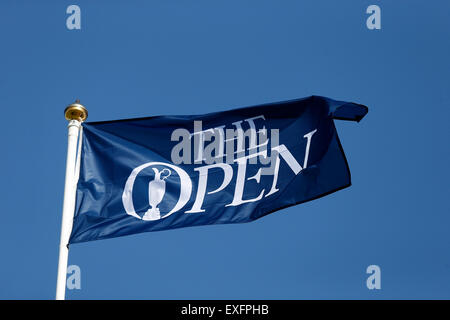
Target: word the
column 223, row 144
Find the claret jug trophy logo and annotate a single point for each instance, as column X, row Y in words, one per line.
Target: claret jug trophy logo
column 156, row 190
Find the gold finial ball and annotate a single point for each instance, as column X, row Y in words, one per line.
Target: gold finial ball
column 76, row 111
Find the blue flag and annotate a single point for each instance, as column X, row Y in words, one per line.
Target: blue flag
column 166, row 172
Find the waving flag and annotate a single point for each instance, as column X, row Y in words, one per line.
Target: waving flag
column 166, row 172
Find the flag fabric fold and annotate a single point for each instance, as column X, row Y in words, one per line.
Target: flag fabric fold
column 166, row 172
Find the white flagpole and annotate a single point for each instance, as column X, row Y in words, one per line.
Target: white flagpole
column 75, row 114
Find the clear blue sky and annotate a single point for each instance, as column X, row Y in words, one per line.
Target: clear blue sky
column 142, row 58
